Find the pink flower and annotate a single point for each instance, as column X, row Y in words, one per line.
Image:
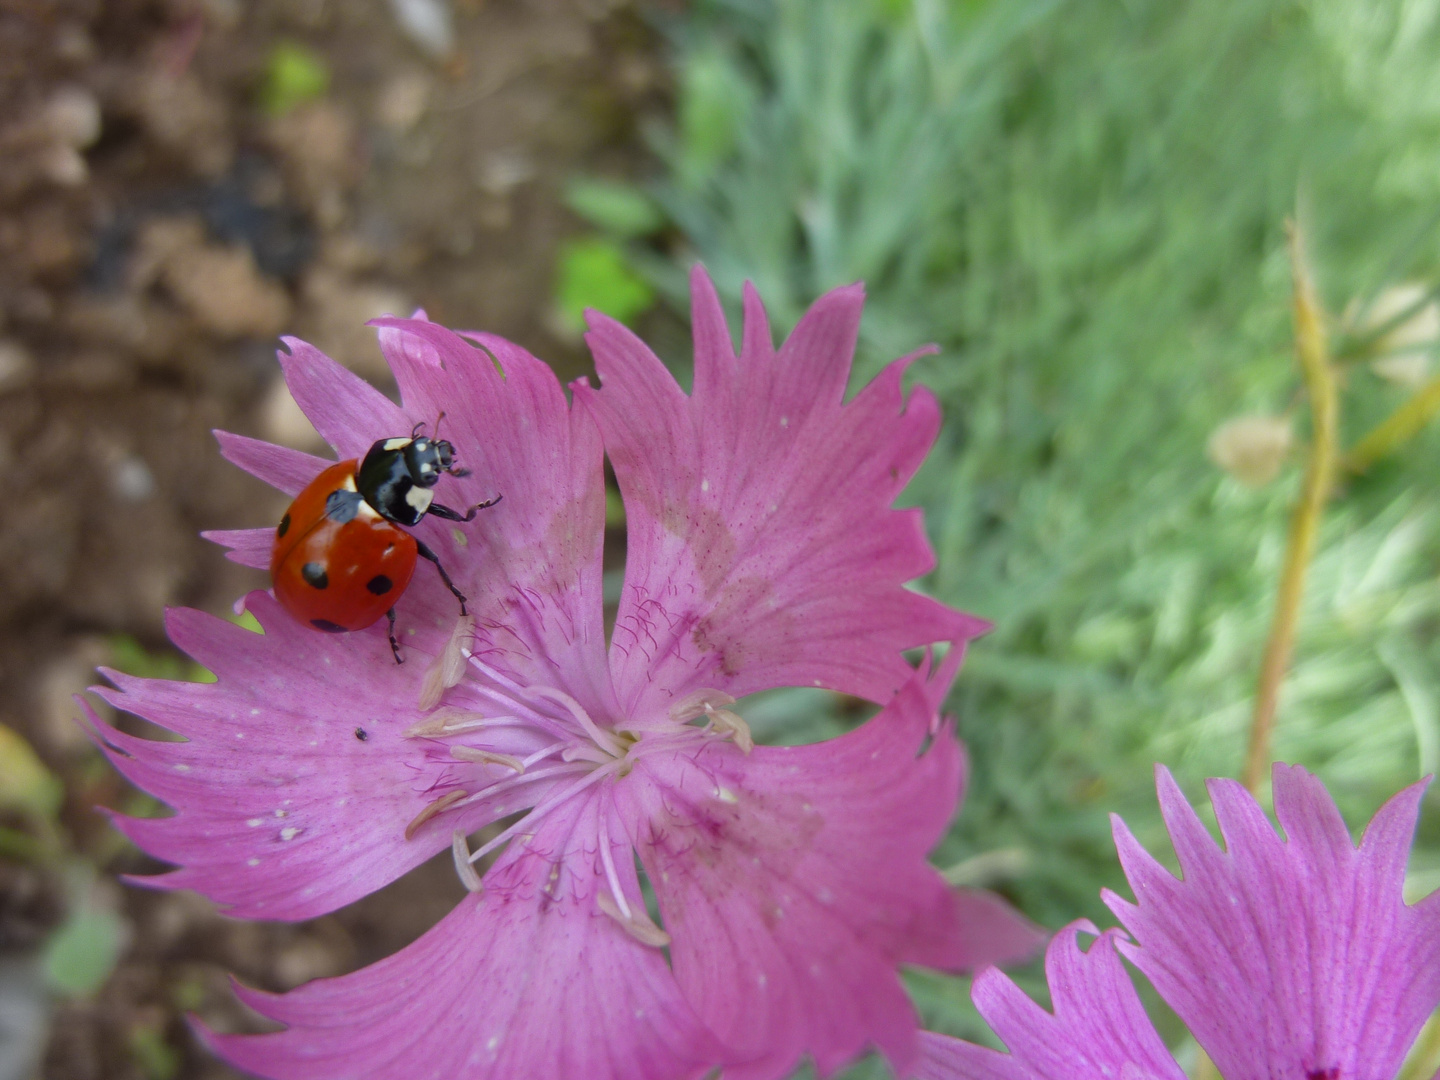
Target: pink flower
column 1286, row 959
column 763, row 551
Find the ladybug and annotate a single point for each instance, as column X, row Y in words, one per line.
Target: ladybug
column 341, row 558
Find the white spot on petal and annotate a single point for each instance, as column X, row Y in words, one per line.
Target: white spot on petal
column 289, row 832
column 254, row 712
column 252, row 862
column 704, row 485
column 282, row 813
column 492, row 1042
column 761, row 980
column 254, row 823
column 726, row 795
column 784, row 421
column 182, row 768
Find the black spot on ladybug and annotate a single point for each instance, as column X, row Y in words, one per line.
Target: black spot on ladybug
column 314, row 575
column 328, row 626
column 342, row 505
column 284, row 526
column 361, row 734
column 379, row 584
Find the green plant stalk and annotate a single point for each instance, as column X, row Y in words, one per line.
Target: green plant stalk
column 1312, row 350
column 1396, row 429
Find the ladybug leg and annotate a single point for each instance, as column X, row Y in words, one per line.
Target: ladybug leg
column 425, row 553
column 454, row 515
column 394, row 645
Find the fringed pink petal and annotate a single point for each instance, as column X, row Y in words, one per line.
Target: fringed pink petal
column 532, row 564
column 282, row 809
column 248, row 547
column 348, row 412
column 794, row 880
column 1098, row 1030
column 762, row 547
column 279, row 466
column 1286, row 958
column 530, row 981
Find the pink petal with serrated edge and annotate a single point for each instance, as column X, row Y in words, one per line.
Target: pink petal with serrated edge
column 794, row 880
column 348, row 412
column 531, row 980
column 1098, row 1030
column 1286, row 958
column 279, row 466
column 248, row 547
column 281, row 811
column 532, row 564
column 762, row 547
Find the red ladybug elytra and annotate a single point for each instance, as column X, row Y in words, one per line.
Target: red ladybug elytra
column 341, row 559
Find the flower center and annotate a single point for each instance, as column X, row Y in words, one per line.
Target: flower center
column 504, row 748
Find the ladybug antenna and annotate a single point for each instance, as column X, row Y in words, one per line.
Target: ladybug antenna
column 415, row 431
column 437, row 423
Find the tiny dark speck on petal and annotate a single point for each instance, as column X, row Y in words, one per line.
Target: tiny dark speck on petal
column 1332, row 1072
column 361, row 734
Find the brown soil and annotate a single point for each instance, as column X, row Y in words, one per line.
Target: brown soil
column 157, row 230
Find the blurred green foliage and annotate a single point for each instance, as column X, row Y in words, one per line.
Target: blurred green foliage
column 1084, row 205
column 294, row 74
column 81, row 954
column 594, row 272
column 614, row 207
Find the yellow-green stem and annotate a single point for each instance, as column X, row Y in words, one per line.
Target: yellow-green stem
column 1312, row 351
column 1397, row 428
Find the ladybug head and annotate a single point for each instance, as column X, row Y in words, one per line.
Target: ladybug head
column 426, row 459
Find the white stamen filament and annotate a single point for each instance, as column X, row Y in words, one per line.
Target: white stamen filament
column 526, row 778
column 598, row 735
column 460, row 849
column 487, row 757
column 610, row 875
column 451, row 721
column 585, row 752
column 542, row 810
column 543, row 753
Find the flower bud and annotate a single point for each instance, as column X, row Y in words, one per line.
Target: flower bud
column 1251, row 448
